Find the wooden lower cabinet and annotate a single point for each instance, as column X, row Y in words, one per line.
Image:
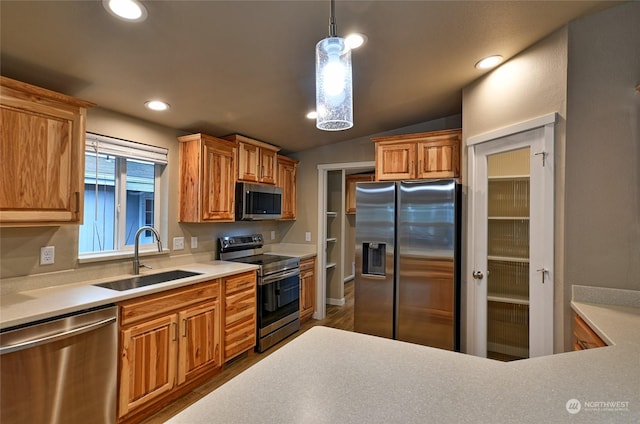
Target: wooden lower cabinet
column 148, row 362
column 199, row 341
column 240, row 315
column 167, row 340
column 584, row 337
column 307, row 288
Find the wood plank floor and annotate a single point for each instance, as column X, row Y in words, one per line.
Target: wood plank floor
column 337, row 317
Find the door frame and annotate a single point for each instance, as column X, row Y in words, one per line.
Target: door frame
column 476, row 331
column 321, row 280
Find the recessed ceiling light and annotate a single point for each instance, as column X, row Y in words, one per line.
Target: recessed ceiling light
column 489, row 62
column 312, row 115
column 355, row 40
column 129, row 10
column 156, row 105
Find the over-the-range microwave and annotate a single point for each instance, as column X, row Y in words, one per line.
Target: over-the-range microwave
column 258, row 202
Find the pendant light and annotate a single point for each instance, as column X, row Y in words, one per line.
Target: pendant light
column 334, row 88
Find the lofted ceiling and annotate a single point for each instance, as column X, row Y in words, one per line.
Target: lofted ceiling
column 248, row 66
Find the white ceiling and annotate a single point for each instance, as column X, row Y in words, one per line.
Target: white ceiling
column 248, row 66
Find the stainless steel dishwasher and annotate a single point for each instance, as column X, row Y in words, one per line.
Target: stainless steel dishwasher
column 61, row 370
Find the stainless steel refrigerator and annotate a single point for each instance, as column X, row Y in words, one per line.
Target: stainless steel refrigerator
column 407, row 277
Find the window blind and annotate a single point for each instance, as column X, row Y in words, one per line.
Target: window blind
column 124, row 148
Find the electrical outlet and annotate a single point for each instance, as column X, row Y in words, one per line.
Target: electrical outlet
column 178, row 243
column 307, row 236
column 273, row 235
column 47, row 255
column 194, row 242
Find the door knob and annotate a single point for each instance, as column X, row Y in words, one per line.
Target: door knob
column 478, row 275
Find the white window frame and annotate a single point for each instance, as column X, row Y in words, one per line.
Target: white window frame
column 126, row 149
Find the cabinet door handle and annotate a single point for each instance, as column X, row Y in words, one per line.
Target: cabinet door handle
column 77, row 201
column 175, row 331
column 185, row 327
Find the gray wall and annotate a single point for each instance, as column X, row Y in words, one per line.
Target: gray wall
column 602, row 178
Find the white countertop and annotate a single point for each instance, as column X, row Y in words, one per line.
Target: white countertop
column 329, row 376
column 33, row 305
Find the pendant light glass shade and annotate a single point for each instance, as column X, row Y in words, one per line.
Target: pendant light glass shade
column 334, row 88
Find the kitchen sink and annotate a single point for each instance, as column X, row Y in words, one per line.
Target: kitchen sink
column 146, row 280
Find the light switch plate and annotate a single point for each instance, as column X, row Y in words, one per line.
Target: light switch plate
column 194, row 242
column 178, row 243
column 47, row 255
column 307, row 236
column 273, row 235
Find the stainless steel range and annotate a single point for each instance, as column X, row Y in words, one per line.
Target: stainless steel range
column 278, row 287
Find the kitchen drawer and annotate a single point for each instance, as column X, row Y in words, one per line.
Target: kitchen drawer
column 584, row 336
column 236, row 283
column 240, row 306
column 307, row 264
column 239, row 338
column 158, row 304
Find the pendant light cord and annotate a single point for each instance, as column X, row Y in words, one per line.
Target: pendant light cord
column 332, row 20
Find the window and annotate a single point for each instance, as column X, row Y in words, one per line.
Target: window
column 121, row 193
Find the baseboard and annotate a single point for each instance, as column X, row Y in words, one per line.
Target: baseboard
column 336, row 302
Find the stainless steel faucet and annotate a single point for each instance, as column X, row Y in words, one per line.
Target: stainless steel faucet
column 136, row 260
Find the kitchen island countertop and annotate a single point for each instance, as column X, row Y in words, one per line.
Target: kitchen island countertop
column 328, row 376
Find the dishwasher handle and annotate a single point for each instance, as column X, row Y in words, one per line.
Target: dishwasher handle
column 58, row 336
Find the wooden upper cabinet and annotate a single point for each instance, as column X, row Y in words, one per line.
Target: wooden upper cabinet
column 42, row 138
column 416, row 156
column 256, row 160
column 207, row 173
column 287, row 180
column 350, row 183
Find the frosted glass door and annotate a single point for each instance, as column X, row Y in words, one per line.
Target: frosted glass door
column 508, row 255
column 512, row 247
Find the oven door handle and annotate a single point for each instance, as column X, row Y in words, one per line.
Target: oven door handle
column 279, row 276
